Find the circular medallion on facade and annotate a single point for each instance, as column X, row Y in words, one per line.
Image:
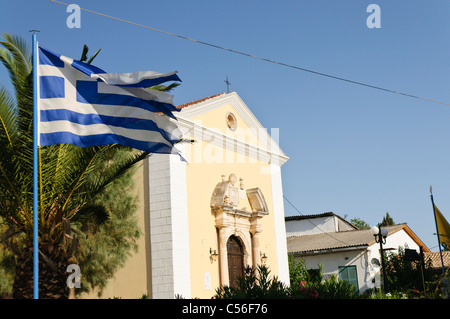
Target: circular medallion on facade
column 231, row 121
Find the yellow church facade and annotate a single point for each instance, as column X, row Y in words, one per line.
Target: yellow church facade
column 206, row 218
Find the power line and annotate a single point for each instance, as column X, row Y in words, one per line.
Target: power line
column 261, row 58
column 324, row 232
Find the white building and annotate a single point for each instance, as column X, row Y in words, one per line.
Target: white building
column 343, row 249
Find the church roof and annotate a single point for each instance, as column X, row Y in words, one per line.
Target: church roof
column 198, row 101
column 266, row 149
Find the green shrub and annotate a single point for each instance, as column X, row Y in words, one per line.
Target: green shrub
column 255, row 284
column 333, row 288
column 305, row 285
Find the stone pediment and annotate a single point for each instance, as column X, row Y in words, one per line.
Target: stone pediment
column 256, row 200
column 226, row 195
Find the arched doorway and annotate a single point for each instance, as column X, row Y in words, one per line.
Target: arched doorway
column 235, row 253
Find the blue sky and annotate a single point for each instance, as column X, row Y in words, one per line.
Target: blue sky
column 355, row 151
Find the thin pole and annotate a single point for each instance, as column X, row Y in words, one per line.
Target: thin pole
column 439, row 242
column 422, row 268
column 35, row 174
column 383, row 265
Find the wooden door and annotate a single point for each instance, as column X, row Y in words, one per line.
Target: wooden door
column 235, row 260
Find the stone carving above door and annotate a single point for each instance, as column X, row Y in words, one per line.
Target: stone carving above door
column 227, row 195
column 232, row 219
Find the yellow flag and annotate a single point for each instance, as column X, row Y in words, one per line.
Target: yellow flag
column 443, row 227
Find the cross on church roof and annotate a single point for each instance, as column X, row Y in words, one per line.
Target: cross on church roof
column 228, row 84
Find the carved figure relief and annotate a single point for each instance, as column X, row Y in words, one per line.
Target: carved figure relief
column 231, row 219
column 226, row 193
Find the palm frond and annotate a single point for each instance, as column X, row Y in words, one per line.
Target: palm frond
column 84, row 55
column 93, row 57
column 165, row 88
column 10, row 163
column 18, row 46
column 16, row 58
column 110, row 164
column 8, row 117
column 98, row 213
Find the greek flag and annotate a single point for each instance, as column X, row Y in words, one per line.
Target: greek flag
column 83, row 105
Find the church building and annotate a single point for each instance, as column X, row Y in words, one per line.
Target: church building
column 205, row 218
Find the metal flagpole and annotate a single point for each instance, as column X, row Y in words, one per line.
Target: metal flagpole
column 35, row 173
column 439, row 241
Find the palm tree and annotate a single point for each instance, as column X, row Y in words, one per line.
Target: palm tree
column 70, row 179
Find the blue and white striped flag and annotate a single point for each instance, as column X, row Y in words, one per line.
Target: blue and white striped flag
column 83, row 105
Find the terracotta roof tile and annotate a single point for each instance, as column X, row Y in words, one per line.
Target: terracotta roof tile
column 198, row 101
column 436, row 259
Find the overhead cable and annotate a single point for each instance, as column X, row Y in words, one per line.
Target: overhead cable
column 261, row 58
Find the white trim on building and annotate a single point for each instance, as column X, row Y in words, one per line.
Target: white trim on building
column 169, row 237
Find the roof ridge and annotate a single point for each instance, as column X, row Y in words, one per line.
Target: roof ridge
column 307, row 216
column 346, row 231
column 199, row 100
